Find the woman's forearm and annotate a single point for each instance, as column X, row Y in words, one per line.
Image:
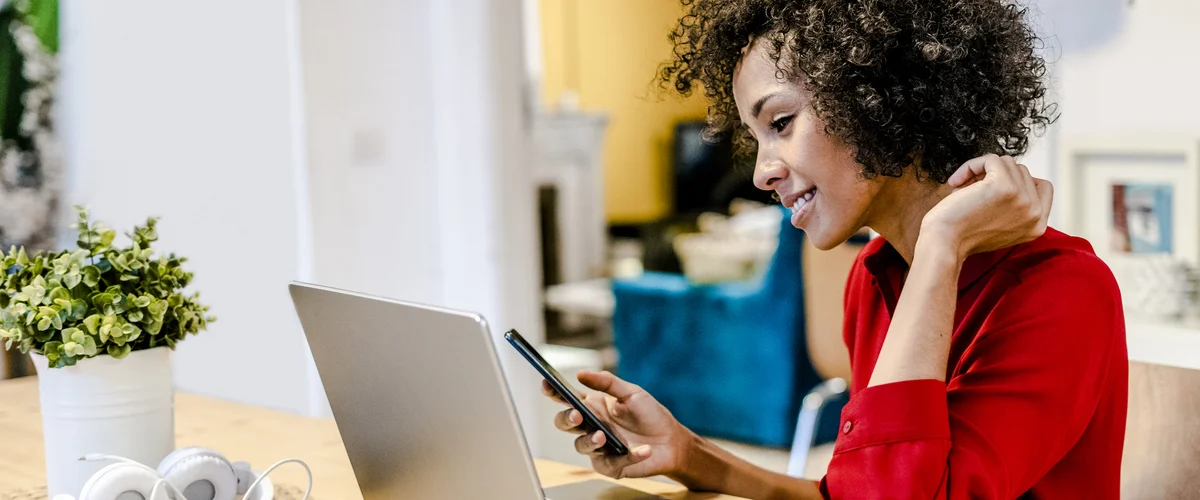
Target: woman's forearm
column 707, row 467
column 917, row 345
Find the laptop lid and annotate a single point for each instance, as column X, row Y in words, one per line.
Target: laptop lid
column 418, row 395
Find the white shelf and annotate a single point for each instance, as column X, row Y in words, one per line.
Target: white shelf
column 1168, row 345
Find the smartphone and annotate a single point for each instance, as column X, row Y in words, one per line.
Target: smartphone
column 612, row 444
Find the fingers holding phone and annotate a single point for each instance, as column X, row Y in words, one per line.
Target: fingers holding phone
column 619, row 412
column 655, row 439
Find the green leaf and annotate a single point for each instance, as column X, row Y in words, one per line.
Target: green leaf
column 102, row 299
column 92, row 323
column 68, row 333
column 157, row 308
column 119, row 351
column 42, row 16
column 155, row 327
column 22, row 258
column 5, row 300
column 134, row 316
column 142, row 302
column 44, row 324
column 89, row 346
column 78, row 309
column 72, row 280
column 58, row 294
column 35, row 292
column 91, row 276
column 137, row 332
column 51, row 350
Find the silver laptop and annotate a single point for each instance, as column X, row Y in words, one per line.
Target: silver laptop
column 420, row 400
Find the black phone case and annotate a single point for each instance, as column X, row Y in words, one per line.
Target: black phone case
column 613, row 444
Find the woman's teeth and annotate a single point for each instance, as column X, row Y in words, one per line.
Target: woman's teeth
column 803, row 200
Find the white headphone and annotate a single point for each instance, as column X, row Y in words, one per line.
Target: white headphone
column 187, row 473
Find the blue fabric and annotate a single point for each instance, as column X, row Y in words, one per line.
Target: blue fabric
column 729, row 360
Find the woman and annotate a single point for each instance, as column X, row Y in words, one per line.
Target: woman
column 988, row 353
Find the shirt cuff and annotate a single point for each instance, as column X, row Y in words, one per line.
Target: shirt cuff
column 900, row 411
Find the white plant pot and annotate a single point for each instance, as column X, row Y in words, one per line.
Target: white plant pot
column 123, row 407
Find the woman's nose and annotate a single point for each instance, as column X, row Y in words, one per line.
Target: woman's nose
column 768, row 174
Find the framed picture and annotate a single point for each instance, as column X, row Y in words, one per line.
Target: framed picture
column 1132, row 200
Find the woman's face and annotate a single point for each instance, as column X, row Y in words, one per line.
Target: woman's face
column 813, row 173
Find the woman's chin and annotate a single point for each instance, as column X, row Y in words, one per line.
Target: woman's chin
column 824, row 239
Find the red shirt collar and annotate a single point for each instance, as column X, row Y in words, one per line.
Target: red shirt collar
column 886, row 264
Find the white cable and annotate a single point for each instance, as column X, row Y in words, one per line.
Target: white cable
column 154, row 492
column 276, row 465
column 99, row 457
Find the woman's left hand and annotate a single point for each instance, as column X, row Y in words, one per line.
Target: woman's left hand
column 996, row 204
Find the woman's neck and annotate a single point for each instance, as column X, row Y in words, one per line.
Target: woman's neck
column 903, row 203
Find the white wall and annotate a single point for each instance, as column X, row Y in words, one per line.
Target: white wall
column 366, row 144
column 417, row 139
column 1120, row 69
column 183, row 110
column 1142, row 80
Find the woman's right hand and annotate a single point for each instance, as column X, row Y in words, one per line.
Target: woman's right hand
column 657, row 442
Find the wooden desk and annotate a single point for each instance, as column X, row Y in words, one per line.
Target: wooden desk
column 242, row 432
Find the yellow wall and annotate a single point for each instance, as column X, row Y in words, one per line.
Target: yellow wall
column 608, row 51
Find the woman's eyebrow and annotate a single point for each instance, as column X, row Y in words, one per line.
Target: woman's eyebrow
column 758, row 105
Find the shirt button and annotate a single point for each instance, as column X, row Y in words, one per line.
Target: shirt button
column 846, row 428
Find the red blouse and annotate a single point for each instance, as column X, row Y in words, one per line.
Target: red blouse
column 1036, row 392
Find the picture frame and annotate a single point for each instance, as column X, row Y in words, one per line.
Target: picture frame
column 1131, row 199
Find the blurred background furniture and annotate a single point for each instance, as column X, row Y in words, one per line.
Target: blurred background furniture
column 568, row 170
column 14, row 364
column 1162, row 435
column 729, row 360
column 825, row 275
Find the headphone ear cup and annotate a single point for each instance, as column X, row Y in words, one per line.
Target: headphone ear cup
column 110, row 482
column 178, row 455
column 202, row 476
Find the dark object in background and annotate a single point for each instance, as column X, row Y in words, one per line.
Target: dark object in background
column 704, row 178
column 697, row 167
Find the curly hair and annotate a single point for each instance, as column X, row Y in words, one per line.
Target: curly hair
column 925, row 82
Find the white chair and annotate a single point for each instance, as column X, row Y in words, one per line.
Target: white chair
column 806, row 423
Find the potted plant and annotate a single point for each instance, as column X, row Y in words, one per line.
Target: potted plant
column 100, row 322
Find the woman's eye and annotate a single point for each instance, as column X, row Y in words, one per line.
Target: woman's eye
column 781, row 123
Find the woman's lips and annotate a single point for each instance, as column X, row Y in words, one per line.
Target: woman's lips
column 802, row 206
